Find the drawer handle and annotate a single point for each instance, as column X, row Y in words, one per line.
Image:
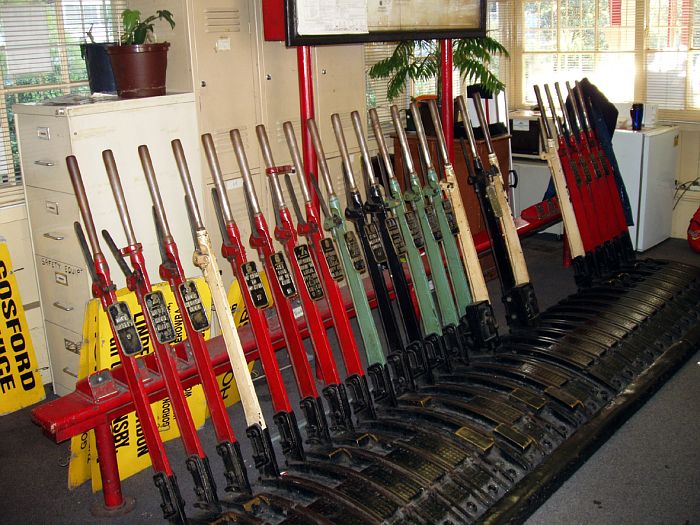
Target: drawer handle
column 54, row 236
column 46, row 163
column 67, row 370
column 64, row 307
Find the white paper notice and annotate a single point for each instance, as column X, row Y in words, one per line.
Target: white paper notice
column 321, row 17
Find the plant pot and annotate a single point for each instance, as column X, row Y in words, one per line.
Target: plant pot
column 99, row 67
column 140, row 69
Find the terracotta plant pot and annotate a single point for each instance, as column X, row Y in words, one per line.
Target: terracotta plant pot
column 139, row 70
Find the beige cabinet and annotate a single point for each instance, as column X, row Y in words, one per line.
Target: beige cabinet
column 240, row 80
column 49, row 133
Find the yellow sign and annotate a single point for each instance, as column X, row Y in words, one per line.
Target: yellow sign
column 20, row 382
column 99, row 352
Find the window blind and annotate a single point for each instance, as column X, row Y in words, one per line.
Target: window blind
column 40, row 58
column 633, row 50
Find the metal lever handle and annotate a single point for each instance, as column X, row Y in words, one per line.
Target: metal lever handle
column 83, row 204
column 403, row 141
column 545, row 130
column 64, row 307
column 381, row 143
column 462, row 106
column 161, row 218
column 190, row 199
column 215, row 169
column 482, row 122
column 322, row 163
column 343, row 147
column 275, row 188
column 46, row 163
column 242, row 159
column 296, row 159
column 118, row 192
column 565, row 114
column 553, row 107
column 574, row 105
column 54, row 236
column 364, row 150
column 439, row 134
column 422, row 139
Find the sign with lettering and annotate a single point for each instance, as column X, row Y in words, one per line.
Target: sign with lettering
column 20, row 381
column 308, row 271
column 331, row 255
column 282, row 272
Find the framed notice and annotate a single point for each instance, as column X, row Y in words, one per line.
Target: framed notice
column 318, row 22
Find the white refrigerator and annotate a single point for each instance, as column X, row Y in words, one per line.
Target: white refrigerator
column 648, row 163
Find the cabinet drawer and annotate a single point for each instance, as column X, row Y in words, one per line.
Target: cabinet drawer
column 64, row 292
column 51, row 215
column 44, row 144
column 64, row 346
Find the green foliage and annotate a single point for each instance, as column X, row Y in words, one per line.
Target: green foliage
column 420, row 60
column 137, row 31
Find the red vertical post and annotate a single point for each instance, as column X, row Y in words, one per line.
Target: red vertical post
column 306, row 111
column 446, row 95
column 109, row 469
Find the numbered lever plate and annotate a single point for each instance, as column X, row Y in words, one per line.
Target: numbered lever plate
column 308, row 271
column 332, row 258
column 123, row 324
column 284, row 278
column 255, row 285
column 194, row 309
column 157, row 310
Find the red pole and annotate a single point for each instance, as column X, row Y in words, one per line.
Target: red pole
column 447, row 104
column 109, row 469
column 306, row 111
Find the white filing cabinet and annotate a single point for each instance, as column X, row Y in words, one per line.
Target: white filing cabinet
column 47, row 134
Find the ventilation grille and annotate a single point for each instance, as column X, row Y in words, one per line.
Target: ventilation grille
column 222, row 20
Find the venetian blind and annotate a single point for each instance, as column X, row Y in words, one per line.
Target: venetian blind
column 40, row 58
column 672, row 58
column 645, row 50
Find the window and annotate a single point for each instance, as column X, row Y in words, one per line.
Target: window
column 40, row 58
column 645, row 50
column 569, row 39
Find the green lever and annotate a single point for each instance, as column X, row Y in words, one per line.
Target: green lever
column 335, row 224
column 426, row 304
column 414, row 194
column 433, row 192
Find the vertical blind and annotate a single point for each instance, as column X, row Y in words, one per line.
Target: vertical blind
column 40, row 58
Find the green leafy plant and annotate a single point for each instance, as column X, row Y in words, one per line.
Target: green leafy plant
column 420, row 60
column 137, row 31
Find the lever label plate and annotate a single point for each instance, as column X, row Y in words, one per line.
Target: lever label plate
column 255, row 285
column 193, row 305
column 160, row 318
column 414, row 226
column 375, row 242
column 283, row 275
column 450, row 215
column 392, row 225
column 433, row 221
column 358, row 261
column 331, row 255
column 308, row 271
column 123, row 323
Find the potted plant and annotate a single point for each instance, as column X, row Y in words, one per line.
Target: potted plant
column 420, row 60
column 139, row 64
